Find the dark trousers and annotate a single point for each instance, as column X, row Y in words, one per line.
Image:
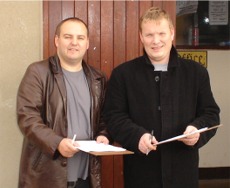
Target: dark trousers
column 80, row 183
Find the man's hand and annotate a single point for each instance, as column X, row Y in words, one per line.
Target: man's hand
column 67, row 148
column 102, row 139
column 146, row 143
column 192, row 139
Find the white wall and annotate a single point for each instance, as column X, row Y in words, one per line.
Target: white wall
column 21, row 44
column 21, row 36
column 217, row 152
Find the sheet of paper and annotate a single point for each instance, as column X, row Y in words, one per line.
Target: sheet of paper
column 91, row 145
column 185, row 135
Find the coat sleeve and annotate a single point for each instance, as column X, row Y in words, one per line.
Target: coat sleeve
column 116, row 114
column 207, row 109
column 102, row 128
column 31, row 110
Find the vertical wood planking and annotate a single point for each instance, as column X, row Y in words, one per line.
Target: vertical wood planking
column 80, row 11
column 107, row 175
column 157, row 3
column 144, row 6
column 81, row 8
column 118, row 172
column 94, row 17
column 119, row 34
column 55, row 16
column 132, row 35
column 67, row 9
column 45, row 29
column 106, row 36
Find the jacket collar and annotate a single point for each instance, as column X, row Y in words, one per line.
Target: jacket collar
column 173, row 59
column 56, row 67
column 55, row 64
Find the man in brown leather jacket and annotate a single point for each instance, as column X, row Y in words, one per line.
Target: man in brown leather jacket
column 57, row 98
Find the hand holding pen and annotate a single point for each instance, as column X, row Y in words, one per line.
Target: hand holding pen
column 146, row 143
column 67, row 147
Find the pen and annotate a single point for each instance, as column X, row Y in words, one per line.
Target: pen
column 150, row 139
column 74, row 137
column 152, row 133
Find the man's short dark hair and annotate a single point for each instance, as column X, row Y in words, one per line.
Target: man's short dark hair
column 73, row 19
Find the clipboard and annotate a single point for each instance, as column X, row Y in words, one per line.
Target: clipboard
column 100, row 149
column 106, row 153
column 185, row 135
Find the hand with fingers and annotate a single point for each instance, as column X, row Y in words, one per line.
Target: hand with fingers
column 102, row 139
column 190, row 140
column 67, row 147
column 146, row 143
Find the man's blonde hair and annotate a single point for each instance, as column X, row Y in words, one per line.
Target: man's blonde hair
column 155, row 14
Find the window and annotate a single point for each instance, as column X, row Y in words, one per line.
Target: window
column 203, row 24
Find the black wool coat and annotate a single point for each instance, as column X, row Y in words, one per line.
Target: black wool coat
column 140, row 99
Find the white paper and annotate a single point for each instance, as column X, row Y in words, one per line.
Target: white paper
column 185, row 135
column 218, row 12
column 186, row 7
column 91, row 145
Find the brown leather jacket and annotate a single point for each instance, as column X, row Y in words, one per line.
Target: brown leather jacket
column 42, row 118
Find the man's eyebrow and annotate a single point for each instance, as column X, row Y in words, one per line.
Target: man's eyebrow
column 73, row 35
column 67, row 34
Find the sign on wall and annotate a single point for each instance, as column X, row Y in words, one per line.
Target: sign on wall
column 198, row 56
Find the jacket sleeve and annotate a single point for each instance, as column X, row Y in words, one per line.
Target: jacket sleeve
column 102, row 128
column 116, row 114
column 31, row 112
column 207, row 110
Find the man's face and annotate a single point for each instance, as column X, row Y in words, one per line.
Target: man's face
column 157, row 38
column 72, row 43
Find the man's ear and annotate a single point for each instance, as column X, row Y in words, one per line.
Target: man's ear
column 172, row 36
column 56, row 40
column 88, row 44
column 141, row 37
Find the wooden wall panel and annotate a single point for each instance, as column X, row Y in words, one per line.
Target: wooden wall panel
column 80, row 9
column 67, row 9
column 55, row 16
column 118, row 181
column 157, row 3
column 107, row 66
column 113, row 28
column 132, row 34
column 94, row 25
column 46, row 43
column 114, row 38
column 106, row 36
column 119, row 35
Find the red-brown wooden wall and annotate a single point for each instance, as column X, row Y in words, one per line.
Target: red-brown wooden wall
column 114, row 38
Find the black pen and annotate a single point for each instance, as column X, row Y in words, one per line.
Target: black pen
column 150, row 139
column 152, row 134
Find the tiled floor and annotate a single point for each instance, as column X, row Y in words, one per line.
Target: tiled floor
column 219, row 183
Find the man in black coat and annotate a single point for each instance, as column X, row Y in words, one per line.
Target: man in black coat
column 165, row 95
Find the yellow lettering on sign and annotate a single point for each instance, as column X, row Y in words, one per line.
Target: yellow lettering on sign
column 198, row 56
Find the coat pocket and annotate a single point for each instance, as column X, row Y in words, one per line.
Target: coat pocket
column 37, row 159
